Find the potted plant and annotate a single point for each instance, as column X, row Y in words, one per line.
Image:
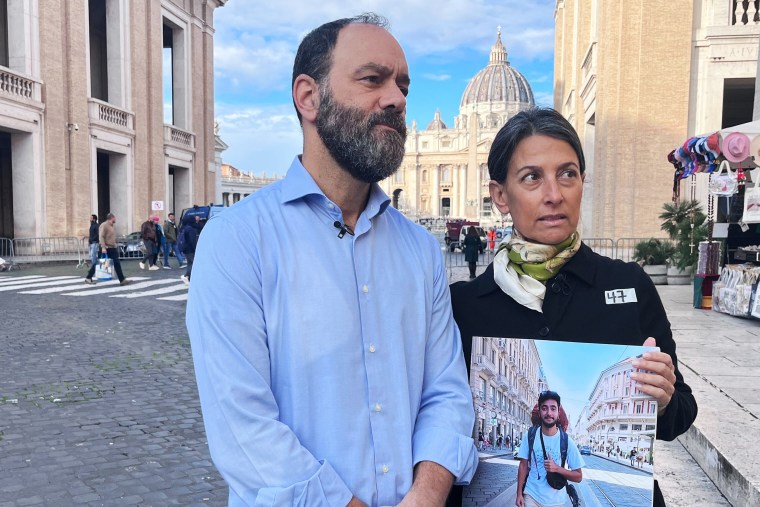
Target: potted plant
column 684, row 222
column 653, row 255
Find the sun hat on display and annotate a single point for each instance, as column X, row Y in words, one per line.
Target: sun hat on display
column 735, row 147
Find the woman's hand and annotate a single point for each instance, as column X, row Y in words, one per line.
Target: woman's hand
column 660, row 379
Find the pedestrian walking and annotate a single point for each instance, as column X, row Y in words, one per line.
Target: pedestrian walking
column 480, row 440
column 491, row 238
column 471, row 247
column 107, row 241
column 148, row 235
column 632, row 455
column 278, row 320
column 190, row 231
column 93, row 240
column 160, row 240
column 170, row 235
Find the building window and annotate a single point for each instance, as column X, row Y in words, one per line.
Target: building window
column 446, row 143
column 98, row 50
column 424, row 176
column 623, row 427
column 398, row 176
column 652, row 408
column 424, row 145
column 482, row 389
column 175, row 68
column 625, row 409
column 445, row 174
column 486, row 206
column 649, row 427
column 639, row 408
column 636, row 427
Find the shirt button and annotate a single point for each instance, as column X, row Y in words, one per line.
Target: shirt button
column 331, row 206
column 386, row 469
column 543, row 331
column 378, row 408
column 372, row 348
column 365, row 289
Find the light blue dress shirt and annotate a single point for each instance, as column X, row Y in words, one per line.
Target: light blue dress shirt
column 327, row 367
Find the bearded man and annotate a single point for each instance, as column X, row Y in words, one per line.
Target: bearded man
column 544, row 456
column 329, row 366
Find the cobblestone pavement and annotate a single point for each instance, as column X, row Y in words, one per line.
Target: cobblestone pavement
column 98, row 403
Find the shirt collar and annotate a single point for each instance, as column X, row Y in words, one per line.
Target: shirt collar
column 581, row 266
column 299, row 184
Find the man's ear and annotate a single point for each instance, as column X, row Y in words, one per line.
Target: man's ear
column 498, row 193
column 306, row 97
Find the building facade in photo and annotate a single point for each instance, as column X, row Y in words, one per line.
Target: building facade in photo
column 618, row 415
column 444, row 172
column 636, row 79
column 83, row 123
column 505, row 378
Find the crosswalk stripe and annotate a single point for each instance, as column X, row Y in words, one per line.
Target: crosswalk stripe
column 124, row 288
column 19, row 279
column 38, row 283
column 163, row 290
column 180, row 297
column 79, row 286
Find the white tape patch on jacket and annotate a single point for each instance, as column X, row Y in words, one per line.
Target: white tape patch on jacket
column 620, row 296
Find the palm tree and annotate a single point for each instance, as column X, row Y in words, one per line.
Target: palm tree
column 684, row 222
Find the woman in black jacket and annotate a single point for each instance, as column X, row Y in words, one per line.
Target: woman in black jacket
column 471, row 247
column 546, row 284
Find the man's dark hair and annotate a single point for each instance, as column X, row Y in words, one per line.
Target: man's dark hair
column 548, row 395
column 94, row 217
column 535, row 121
column 314, row 55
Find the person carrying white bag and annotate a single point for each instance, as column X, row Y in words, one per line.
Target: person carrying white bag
column 108, row 249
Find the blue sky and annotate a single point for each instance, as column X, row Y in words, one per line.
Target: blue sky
column 446, row 43
column 572, row 369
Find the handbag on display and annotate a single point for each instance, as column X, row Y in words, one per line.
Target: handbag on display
column 751, row 213
column 104, row 268
column 724, row 181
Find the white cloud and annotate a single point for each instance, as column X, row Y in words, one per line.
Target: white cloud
column 252, row 62
column 437, row 77
column 261, row 139
column 545, row 99
column 256, row 41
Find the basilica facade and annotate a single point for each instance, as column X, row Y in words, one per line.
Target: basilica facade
column 444, row 172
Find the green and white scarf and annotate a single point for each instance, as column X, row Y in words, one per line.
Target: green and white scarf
column 521, row 268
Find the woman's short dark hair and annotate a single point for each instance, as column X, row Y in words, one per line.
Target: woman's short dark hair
column 314, row 55
column 539, row 120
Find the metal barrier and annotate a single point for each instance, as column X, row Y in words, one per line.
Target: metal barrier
column 602, row 246
column 6, row 253
column 456, row 259
column 30, row 250
column 624, row 247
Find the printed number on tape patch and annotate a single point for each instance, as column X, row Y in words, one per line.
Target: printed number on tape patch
column 620, row 296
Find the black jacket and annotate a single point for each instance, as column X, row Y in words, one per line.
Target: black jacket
column 93, row 233
column 575, row 309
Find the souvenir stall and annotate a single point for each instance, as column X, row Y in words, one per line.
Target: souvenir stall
column 727, row 158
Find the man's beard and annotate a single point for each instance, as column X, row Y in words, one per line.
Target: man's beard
column 347, row 132
column 548, row 424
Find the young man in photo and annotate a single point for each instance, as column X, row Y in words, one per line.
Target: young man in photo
column 537, row 492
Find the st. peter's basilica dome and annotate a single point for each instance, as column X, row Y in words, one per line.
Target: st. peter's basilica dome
column 498, row 82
